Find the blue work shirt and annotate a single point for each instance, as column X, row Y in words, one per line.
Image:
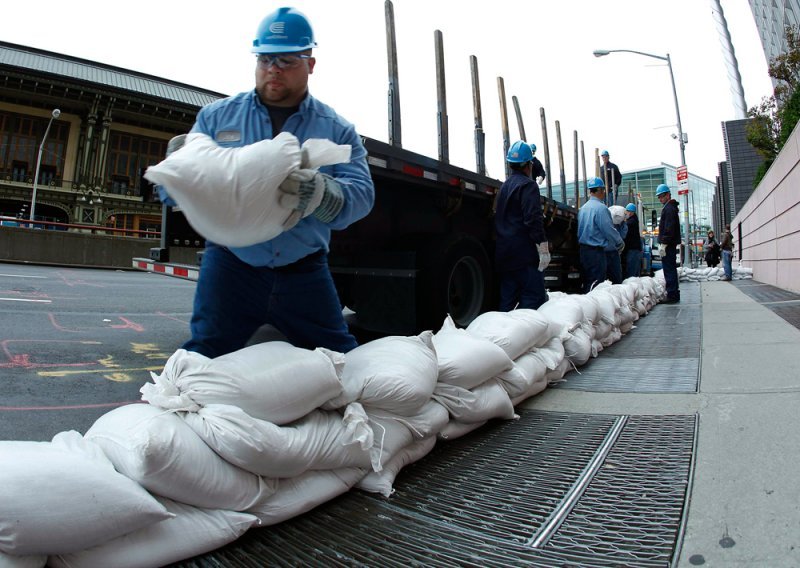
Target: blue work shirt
column 595, row 227
column 518, row 223
column 622, row 229
column 243, row 119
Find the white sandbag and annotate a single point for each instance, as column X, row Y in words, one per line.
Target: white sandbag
column 428, row 421
column 467, row 360
column 552, row 352
column 606, row 304
column 526, row 377
column 456, row 429
column 272, row 381
column 393, row 373
column 64, row 495
column 589, row 307
column 617, row 213
column 484, row 402
column 557, row 374
column 578, row 347
column 300, row 494
column 193, row 531
column 565, row 312
column 319, row 440
column 516, row 332
column 230, row 195
column 390, row 436
column 383, row 482
column 164, row 455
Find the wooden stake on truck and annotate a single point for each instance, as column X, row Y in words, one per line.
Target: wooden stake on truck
column 480, row 138
column 546, row 146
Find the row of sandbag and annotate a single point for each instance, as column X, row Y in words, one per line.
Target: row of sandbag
column 709, row 274
column 268, row 432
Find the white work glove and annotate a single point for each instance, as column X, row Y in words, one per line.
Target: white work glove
column 307, row 191
column 621, row 247
column 662, row 250
column 544, row 255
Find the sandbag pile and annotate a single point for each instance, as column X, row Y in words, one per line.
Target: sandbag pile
column 268, row 432
column 709, row 274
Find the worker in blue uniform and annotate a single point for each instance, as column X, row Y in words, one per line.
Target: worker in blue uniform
column 669, row 237
column 284, row 282
column 595, row 232
column 522, row 252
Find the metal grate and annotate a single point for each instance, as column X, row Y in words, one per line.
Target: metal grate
column 635, row 375
column 482, row 499
column 782, row 302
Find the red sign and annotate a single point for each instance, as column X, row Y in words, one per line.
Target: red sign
column 683, row 173
column 683, row 192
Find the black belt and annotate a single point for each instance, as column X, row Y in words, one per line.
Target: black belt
column 593, row 247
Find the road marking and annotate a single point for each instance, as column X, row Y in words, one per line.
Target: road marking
column 90, row 371
column 22, row 276
column 26, row 300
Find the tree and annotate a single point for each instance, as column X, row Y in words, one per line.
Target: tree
column 776, row 116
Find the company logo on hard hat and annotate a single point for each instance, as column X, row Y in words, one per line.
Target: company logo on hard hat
column 277, row 27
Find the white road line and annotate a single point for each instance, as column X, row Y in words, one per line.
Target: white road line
column 22, row 276
column 26, row 300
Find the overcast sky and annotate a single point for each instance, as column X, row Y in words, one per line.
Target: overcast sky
column 542, row 49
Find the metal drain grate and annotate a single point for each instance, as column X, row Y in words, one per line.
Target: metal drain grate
column 481, row 500
column 635, row 375
column 784, row 303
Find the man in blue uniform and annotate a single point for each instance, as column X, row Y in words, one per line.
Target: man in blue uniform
column 521, row 250
column 595, row 232
column 611, row 176
column 669, row 237
column 286, row 281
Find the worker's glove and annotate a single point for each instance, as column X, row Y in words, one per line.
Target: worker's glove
column 544, row 255
column 307, row 191
column 621, row 247
column 662, row 250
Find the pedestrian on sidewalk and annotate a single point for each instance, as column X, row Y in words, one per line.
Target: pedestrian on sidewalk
column 712, row 250
column 595, row 232
column 669, row 237
column 632, row 257
column 727, row 253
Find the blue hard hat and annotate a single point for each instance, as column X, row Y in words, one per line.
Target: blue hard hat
column 519, row 153
column 630, row 207
column 662, row 189
column 595, row 183
column 285, row 30
column 533, row 147
column 604, row 153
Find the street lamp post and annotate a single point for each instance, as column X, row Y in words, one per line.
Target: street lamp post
column 681, row 137
column 55, row 114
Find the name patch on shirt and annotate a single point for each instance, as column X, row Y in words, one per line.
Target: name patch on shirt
column 229, row 136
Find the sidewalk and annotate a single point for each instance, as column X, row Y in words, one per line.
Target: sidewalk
column 743, row 508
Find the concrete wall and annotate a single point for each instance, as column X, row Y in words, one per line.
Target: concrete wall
column 72, row 248
column 769, row 223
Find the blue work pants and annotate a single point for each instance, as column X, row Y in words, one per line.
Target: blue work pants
column 233, row 299
column 522, row 288
column 633, row 263
column 613, row 267
column 727, row 259
column 593, row 264
column 670, row 266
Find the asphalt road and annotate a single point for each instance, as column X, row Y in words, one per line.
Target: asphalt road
column 78, row 342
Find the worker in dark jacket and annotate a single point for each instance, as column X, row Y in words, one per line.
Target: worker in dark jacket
column 632, row 263
column 538, row 172
column 612, row 178
column 669, row 237
column 521, row 251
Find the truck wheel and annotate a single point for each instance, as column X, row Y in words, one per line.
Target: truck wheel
column 458, row 283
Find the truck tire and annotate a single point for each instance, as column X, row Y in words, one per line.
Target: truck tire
column 457, row 281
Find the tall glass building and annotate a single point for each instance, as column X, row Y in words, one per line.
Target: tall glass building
column 772, row 17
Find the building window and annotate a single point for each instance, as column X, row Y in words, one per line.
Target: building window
column 128, row 158
column 21, row 137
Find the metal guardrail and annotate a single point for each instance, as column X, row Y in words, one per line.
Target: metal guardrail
column 90, row 229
